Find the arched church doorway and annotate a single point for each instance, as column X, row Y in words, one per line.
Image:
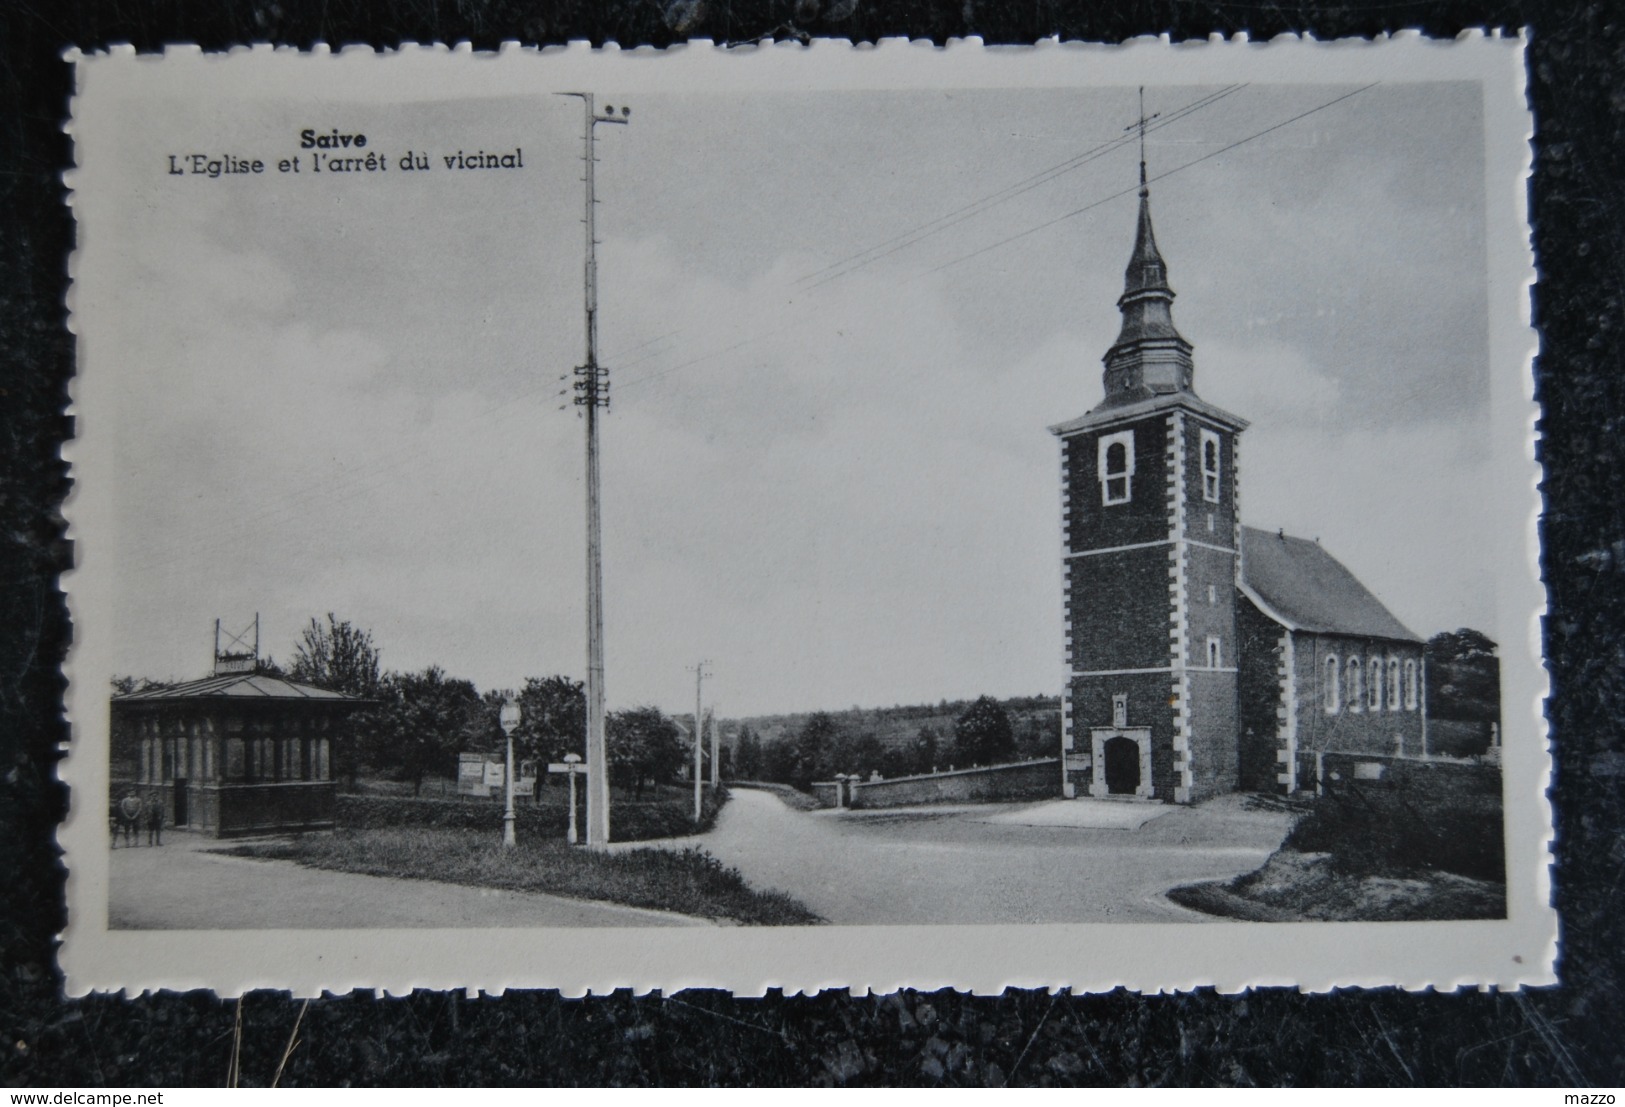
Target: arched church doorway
column 1122, row 757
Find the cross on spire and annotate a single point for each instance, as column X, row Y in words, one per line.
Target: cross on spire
column 1141, row 124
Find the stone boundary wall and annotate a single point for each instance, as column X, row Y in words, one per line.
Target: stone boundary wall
column 1019, row 780
column 1337, row 769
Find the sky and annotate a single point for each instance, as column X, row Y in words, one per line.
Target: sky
column 343, row 393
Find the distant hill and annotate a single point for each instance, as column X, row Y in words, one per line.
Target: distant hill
column 1036, row 721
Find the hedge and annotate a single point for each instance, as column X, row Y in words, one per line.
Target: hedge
column 630, row 820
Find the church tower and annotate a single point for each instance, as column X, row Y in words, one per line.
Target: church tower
column 1151, row 543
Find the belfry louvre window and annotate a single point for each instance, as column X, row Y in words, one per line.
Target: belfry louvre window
column 1332, row 690
column 1210, row 466
column 1116, row 467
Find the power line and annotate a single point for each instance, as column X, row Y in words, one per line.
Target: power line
column 959, row 215
column 365, row 478
column 1169, row 173
column 1030, row 231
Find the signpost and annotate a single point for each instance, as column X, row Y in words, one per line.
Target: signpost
column 573, row 766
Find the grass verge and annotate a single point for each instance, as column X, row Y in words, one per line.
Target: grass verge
column 690, row 882
column 793, row 797
column 1423, row 845
column 1313, row 887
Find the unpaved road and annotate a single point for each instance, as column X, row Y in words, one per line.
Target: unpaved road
column 952, row 865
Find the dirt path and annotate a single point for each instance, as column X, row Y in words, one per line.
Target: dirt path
column 186, row 886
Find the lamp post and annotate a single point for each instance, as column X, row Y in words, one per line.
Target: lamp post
column 572, row 759
column 509, row 718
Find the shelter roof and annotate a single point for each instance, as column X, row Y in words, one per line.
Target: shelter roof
column 1303, row 587
column 237, row 686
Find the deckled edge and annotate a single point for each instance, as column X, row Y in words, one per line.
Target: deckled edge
column 80, row 775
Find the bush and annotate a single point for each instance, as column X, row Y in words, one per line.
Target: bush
column 1442, row 817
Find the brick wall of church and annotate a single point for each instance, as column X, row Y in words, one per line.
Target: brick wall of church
column 1209, row 573
column 1213, row 734
column 1093, row 525
column 1362, row 730
column 1258, row 697
column 1198, row 509
column 1118, row 610
column 1148, row 706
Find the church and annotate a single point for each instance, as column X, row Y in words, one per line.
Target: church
column 1204, row 656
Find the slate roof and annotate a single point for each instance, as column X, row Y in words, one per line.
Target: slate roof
column 237, row 686
column 1105, row 413
column 1306, row 588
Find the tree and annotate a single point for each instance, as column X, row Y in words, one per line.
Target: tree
column 643, row 745
column 925, row 750
column 748, row 758
column 421, row 722
column 1039, row 734
column 552, row 718
column 982, row 735
column 779, row 761
column 339, row 656
column 866, row 755
column 1463, row 676
column 816, row 750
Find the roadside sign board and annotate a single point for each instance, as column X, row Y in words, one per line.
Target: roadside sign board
column 471, row 774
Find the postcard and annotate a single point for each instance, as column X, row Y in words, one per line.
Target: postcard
column 806, row 517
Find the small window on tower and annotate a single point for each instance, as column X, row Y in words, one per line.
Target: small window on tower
column 1210, row 466
column 1116, row 467
column 1212, row 652
column 1212, row 595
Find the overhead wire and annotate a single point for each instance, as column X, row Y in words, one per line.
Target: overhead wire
column 959, row 215
column 1158, row 177
column 365, row 478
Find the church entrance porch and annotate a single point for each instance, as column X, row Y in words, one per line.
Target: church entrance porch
column 1122, row 759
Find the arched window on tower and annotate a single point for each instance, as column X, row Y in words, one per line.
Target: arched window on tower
column 1393, row 684
column 1331, row 692
column 1210, row 466
column 1116, row 460
column 1356, row 685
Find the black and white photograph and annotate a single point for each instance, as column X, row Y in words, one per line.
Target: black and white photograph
column 890, row 517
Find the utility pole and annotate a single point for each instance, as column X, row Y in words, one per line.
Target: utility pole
column 716, row 761
column 592, row 393
column 699, row 737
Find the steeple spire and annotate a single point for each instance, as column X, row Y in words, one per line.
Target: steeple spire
column 1150, row 357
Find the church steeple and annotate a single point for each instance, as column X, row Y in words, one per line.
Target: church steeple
column 1150, row 356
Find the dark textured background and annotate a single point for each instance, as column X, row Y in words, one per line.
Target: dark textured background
column 1568, row 1035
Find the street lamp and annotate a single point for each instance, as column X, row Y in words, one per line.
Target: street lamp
column 509, row 719
column 572, row 760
